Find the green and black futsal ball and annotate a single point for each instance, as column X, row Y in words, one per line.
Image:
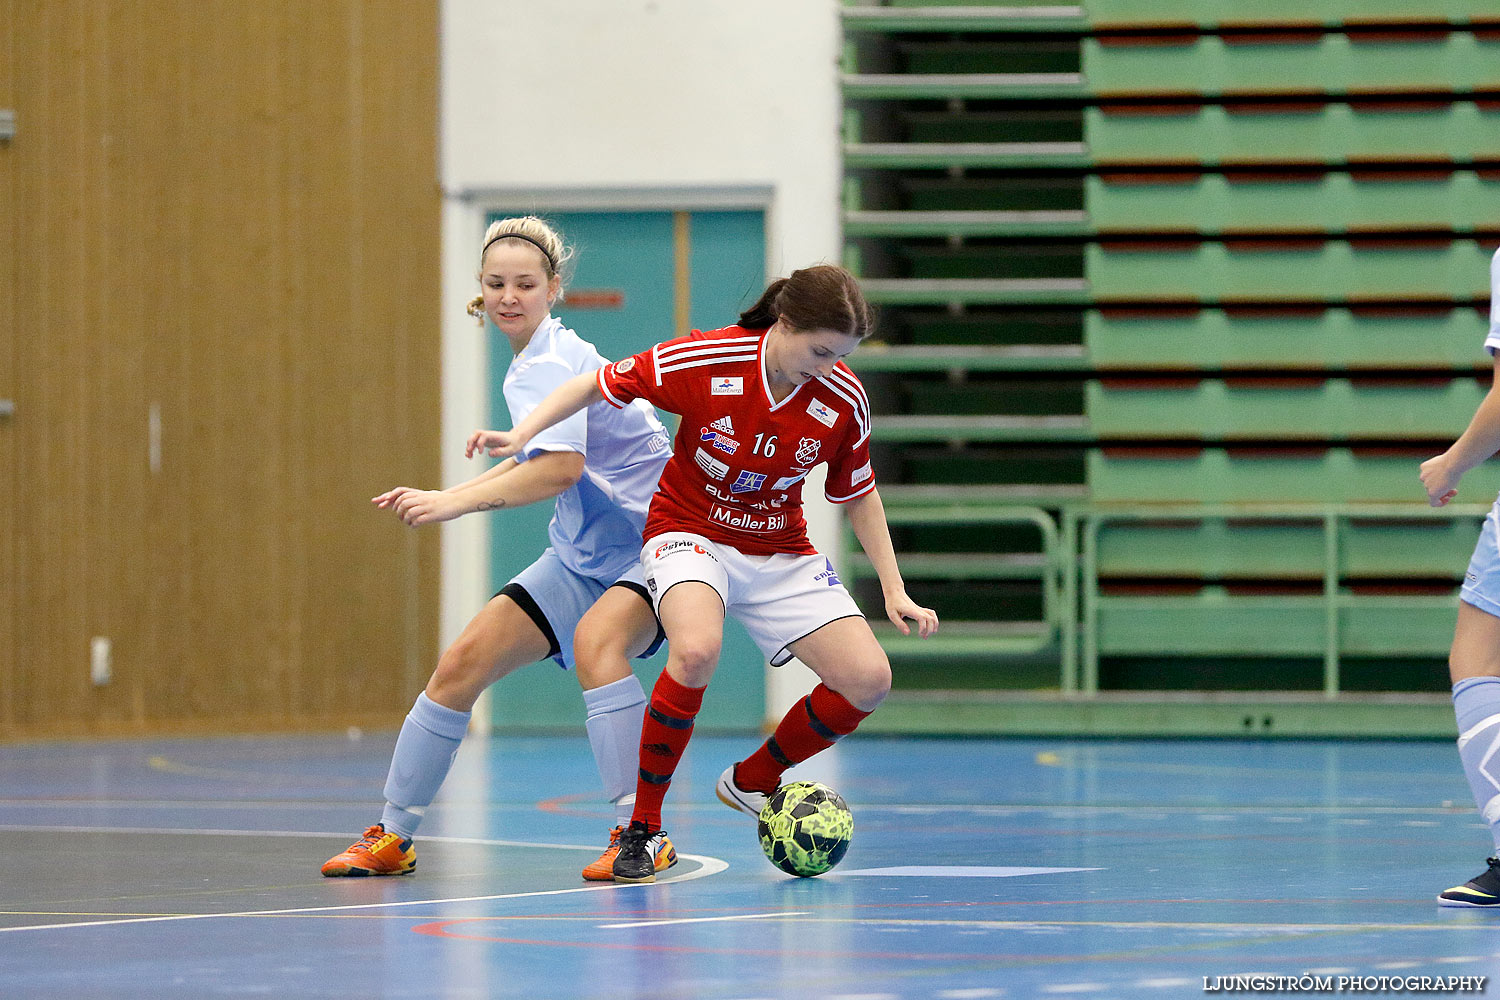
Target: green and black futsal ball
column 805, row 828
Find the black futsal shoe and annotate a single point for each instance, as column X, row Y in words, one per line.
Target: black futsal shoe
column 635, row 863
column 1481, row 890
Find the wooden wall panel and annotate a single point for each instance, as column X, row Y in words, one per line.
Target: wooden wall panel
column 233, row 224
column 7, row 385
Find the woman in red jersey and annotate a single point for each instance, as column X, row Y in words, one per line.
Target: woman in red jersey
column 762, row 403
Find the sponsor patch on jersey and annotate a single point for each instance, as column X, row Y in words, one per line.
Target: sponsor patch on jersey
column 719, row 494
column 621, row 367
column 723, row 425
column 861, row 474
column 727, row 445
column 787, row 482
column 807, row 450
column 658, row 444
column 747, row 482
column 680, row 545
column 745, row 520
column 821, row 412
column 729, row 385
column 711, row 465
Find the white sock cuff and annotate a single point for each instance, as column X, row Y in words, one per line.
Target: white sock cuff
column 615, row 696
column 448, row 723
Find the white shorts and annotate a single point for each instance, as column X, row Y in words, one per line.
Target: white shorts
column 779, row 598
column 1481, row 586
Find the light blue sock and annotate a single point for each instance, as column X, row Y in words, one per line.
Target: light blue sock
column 424, row 752
column 614, row 719
column 1476, row 703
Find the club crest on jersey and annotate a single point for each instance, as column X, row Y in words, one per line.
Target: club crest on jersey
column 729, row 385
column 820, row 412
column 723, row 425
column 621, row 367
column 747, row 482
column 723, row 442
column 711, row 465
column 787, row 482
column 807, row 450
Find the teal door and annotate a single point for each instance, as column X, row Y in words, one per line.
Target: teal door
column 638, row 278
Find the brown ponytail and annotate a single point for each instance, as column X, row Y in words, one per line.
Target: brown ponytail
column 821, row 297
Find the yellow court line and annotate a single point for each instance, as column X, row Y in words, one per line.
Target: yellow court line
column 168, row 766
column 1071, row 758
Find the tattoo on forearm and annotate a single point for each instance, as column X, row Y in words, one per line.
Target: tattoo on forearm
column 491, row 504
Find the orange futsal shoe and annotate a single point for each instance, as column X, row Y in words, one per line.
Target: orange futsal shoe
column 664, row 855
column 376, row 853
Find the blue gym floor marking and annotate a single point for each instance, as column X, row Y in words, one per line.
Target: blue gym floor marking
column 1206, row 874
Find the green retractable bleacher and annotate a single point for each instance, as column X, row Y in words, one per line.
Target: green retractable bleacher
column 1198, row 285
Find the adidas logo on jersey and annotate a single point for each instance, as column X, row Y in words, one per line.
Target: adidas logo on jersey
column 724, row 425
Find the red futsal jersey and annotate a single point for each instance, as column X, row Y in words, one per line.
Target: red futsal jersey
column 737, row 465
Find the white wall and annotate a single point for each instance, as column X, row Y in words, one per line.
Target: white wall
column 626, row 103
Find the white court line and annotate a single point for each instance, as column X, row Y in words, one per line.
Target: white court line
column 960, row 871
column 199, row 831
column 708, row 920
column 711, row 866
column 1041, row 924
column 914, row 808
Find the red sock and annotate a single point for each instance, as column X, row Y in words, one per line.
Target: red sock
column 813, row 725
column 664, row 736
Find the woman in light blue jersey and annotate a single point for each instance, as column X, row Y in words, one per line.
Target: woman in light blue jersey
column 602, row 468
column 1474, row 660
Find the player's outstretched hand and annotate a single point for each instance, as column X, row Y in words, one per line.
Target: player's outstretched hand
column 498, row 444
column 901, row 607
column 418, row 507
column 391, row 497
column 1440, row 480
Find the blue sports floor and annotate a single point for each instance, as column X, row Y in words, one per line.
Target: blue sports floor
column 1006, row 868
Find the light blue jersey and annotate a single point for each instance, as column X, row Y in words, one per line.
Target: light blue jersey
column 1481, row 586
column 596, row 527
column 1492, row 342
